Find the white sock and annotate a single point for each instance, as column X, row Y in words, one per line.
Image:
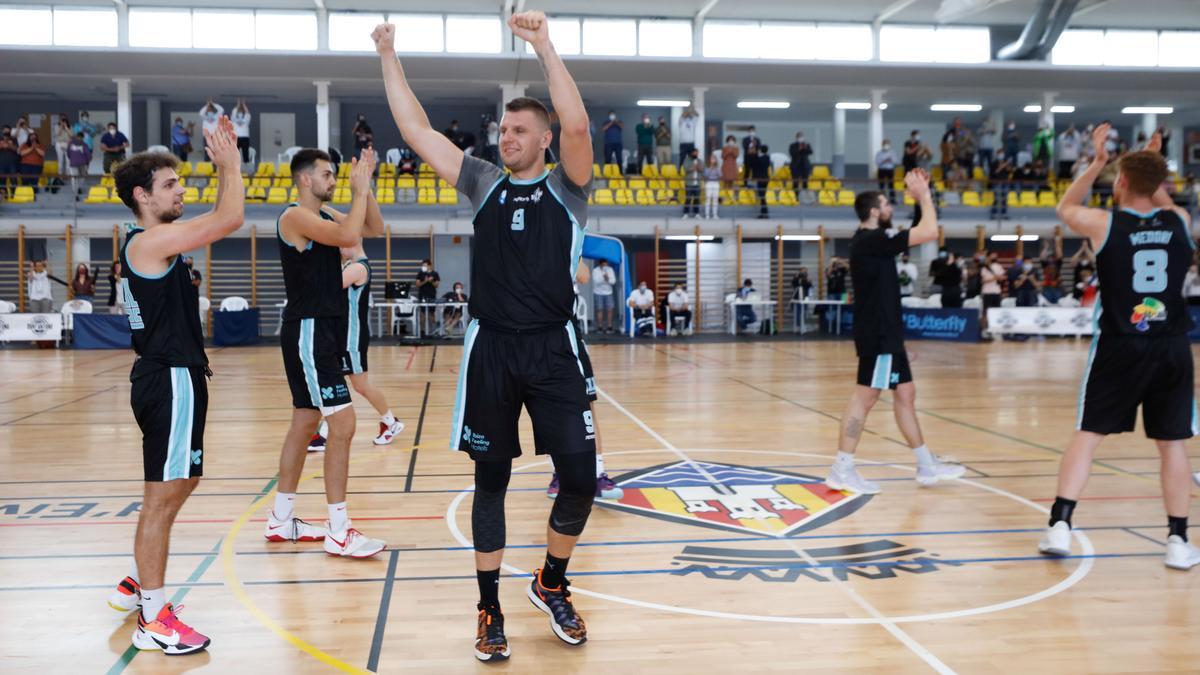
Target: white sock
column 339, row 519
column 924, row 457
column 133, row 573
column 153, row 602
column 844, row 460
column 323, row 429
column 388, row 418
column 599, row 464
column 284, row 503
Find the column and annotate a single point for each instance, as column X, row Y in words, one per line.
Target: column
column 154, row 122
column 122, row 24
column 507, row 93
column 322, row 114
column 676, row 115
column 322, row 28
column 335, row 125
column 1149, row 125
column 1046, row 118
column 875, row 134
column 701, row 130
column 1175, row 147
column 125, row 108
column 839, row 143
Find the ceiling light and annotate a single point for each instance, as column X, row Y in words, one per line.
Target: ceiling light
column 883, row 106
column 853, row 105
column 956, row 107
column 1034, row 108
column 773, row 105
column 1062, row 109
column 1148, row 110
column 1029, row 237
column 661, row 103
column 1004, row 237
column 689, row 237
column 798, row 237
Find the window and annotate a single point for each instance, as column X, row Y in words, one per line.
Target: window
column 665, row 38
column 1179, row 49
column 564, row 33
column 160, row 28
column 473, row 34
column 419, row 32
column 351, row 32
column 296, row 31
column 963, row 45
column 731, row 40
column 85, row 26
column 787, row 41
column 846, row 42
column 1130, row 48
column 1079, row 48
column 222, row 29
column 26, row 26
column 929, row 44
column 610, row 37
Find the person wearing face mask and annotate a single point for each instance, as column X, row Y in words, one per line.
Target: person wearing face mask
column 84, row 126
column 641, row 301
column 241, row 126
column 800, row 153
column 1012, row 141
column 750, row 141
column 210, row 114
column 427, row 283
column 181, row 139
column 645, row 142
column 906, row 272
column 113, row 144
column 680, row 307
column 363, row 136
column 614, row 147
column 452, row 316
column 729, row 162
column 912, row 148
column 62, row 138
column 21, row 131
column 662, row 140
column 455, row 134
column 885, row 165
column 987, row 147
column 687, row 131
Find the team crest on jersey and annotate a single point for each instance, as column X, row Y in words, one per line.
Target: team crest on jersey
column 731, row 497
column 1149, row 310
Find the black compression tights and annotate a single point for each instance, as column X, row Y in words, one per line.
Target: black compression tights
column 576, row 490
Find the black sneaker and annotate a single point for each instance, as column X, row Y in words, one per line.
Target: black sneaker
column 556, row 602
column 490, row 643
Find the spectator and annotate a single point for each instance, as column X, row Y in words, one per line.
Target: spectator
column 363, row 136
column 614, row 148
column 692, row 173
column 949, row 151
column 1043, row 144
column 1001, row 176
column 745, row 313
column 427, row 283
column 1114, row 139
column 1086, row 288
column 680, row 306
column 662, row 141
column 712, row 188
column 452, row 315
column 1069, row 145
column 835, row 279
column 1012, row 142
column 40, row 298
column 973, row 285
column 241, row 126
column 645, row 142
column 992, row 275
column 1165, row 135
column 114, row 283
column 62, row 138
column 802, row 286
column 750, row 141
column 10, row 156
column 603, row 281
column 1083, row 259
column 729, row 162
column 950, row 279
column 491, row 151
column 210, row 115
column 1038, row 178
column 1191, row 286
column 912, row 147
column 84, row 126
column 906, row 272
column 33, row 157
column 21, row 131
column 759, row 170
column 935, row 270
column 641, row 301
column 456, row 135
column 113, row 145
column 83, row 286
column 987, row 147
column 885, row 165
column 800, row 153
column 925, row 159
column 687, row 131
column 197, row 278
column 1051, row 277
column 79, row 156
column 964, row 149
column 181, row 138
column 1024, row 281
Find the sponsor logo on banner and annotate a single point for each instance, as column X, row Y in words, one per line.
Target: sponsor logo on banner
column 933, row 323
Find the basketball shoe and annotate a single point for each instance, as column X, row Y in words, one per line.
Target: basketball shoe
column 388, row 433
column 556, row 602
column 167, row 633
column 292, row 529
column 849, row 480
column 354, row 544
column 941, row 469
column 316, row 443
column 1057, row 540
column 1180, row 554
column 126, row 597
column 490, row 643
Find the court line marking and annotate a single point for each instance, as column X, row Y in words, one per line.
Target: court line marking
column 385, row 605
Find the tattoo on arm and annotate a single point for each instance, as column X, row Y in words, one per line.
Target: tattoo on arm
column 854, row 427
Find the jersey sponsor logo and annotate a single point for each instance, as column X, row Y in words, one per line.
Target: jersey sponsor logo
column 503, row 197
column 1151, row 237
column 327, row 393
column 895, row 378
column 1149, row 310
column 732, row 497
column 591, row 386
column 478, row 442
column 197, row 455
column 535, row 197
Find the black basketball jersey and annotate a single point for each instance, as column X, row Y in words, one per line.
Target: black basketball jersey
column 528, row 240
column 1142, row 265
column 357, row 299
column 164, row 316
column 312, row 278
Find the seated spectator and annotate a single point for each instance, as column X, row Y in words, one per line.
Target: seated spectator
column 33, row 156
column 1024, row 282
column 641, row 301
column 83, row 285
column 949, row 277
column 181, row 138
column 453, row 315
column 907, row 275
column 1084, row 258
column 40, row 298
column 745, row 313
column 1087, row 286
column 835, row 279
column 680, row 306
column 1191, row 286
column 802, row 286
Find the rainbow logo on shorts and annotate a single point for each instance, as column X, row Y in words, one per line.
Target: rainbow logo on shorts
column 1149, row 310
column 731, row 497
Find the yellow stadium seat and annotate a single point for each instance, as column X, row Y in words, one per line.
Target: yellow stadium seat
column 637, row 184
column 406, row 182
column 815, row 184
column 989, row 198
column 783, row 173
column 285, row 171
column 425, row 169
column 978, row 174
column 668, row 171
column 283, row 182
column 426, row 183
column 846, row 198
column 617, row 184
column 50, row 167
column 833, row 185
column 191, row 195
column 787, row 198
column 727, row 198
column 650, row 170
column 1013, row 199
column 261, row 181
column 265, row 169
column 385, row 196
column 772, row 198
column 107, row 181
column 747, row 196
column 23, row 195
column 184, row 170
column 96, row 195
column 448, row 196
column 657, row 184
column 203, row 169
column 443, row 185
column 256, row 195
column 666, row 197
column 209, row 196
column 277, row 195
column 596, row 171
column 343, row 170
column 612, row 171
column 775, row 185
column 426, row 196
column 908, row 200
column 1047, row 200
column 341, row 196
column 387, row 170
column 645, row 197
column 971, row 198
column 827, row 198
column 550, row 166
column 294, row 194
column 1029, row 199
column 604, row 197
column 675, row 184
column 625, row 197
column 820, row 171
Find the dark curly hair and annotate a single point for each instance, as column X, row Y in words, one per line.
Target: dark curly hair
column 138, row 171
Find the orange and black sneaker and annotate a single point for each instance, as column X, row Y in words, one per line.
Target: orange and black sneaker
column 126, row 597
column 490, row 643
column 556, row 602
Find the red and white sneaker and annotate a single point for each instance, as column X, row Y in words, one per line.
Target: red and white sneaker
column 353, row 544
column 387, row 434
column 316, row 443
column 126, row 597
column 292, row 529
column 168, row 633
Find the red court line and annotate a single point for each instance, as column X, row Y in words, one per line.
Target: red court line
column 411, row 355
column 133, row 521
column 1104, row 499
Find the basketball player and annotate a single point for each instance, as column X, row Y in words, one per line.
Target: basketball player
column 169, row 396
column 1141, row 355
column 313, row 339
column 356, row 279
column 521, row 346
column 879, row 334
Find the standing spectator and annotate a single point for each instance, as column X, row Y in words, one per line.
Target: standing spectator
column 835, row 279
column 62, row 138
column 84, row 126
column 687, row 131
column 456, row 135
column 363, row 136
column 1051, row 277
column 645, row 142
column 21, row 131
column 1069, row 145
column 181, row 139
column 79, row 156
column 949, row 152
column 197, row 278
column 992, row 274
column 662, row 141
column 885, row 165
column 1084, row 258
column 614, row 147
column 603, row 281
column 241, row 126
column 1113, row 144
column 1000, row 177
column 113, row 145
column 800, row 153
column 33, row 157
column 210, row 114
column 641, row 301
column 729, row 162
column 964, row 150
column 427, row 283
column 692, row 172
column 987, row 147
column 712, row 188
column 1191, row 286
column 750, row 141
column 491, row 151
column 83, row 286
column 1012, row 142
column 906, row 272
column 1165, row 135
column 935, row 270
column 1024, row 282
column 802, row 286
column 912, row 147
column 950, row 279
column 973, row 285
column 114, row 282
column 1043, row 144
column 680, row 306
column 40, row 298
column 759, row 170
column 10, row 156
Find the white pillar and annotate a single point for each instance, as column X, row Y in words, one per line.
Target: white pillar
column 335, row 125
column 154, row 122
column 122, row 24
column 322, row 29
column 839, row 143
column 1149, row 125
column 322, row 114
column 876, row 30
column 125, row 108
column 701, row 125
column 507, row 93
column 676, row 115
column 1046, row 118
column 81, row 251
column 1175, row 148
column 875, row 134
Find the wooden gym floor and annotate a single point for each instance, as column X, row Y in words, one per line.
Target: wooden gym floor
column 772, row 573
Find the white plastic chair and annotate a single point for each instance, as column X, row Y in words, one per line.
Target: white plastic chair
column 70, row 309
column 7, row 307
column 285, row 157
column 253, row 156
column 581, row 313
column 393, row 156
column 205, row 305
column 405, row 311
column 637, row 324
column 234, row 303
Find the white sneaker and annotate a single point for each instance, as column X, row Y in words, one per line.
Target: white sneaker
column 1180, row 554
column 292, row 529
column 1196, row 477
column 849, row 480
column 353, row 544
column 1056, row 540
column 388, row 434
column 941, row 469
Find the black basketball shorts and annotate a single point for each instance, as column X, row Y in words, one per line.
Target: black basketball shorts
column 585, row 362
column 1127, row 371
column 884, row 371
column 314, row 358
column 170, row 406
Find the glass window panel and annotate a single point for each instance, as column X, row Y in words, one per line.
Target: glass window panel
column 963, row 45
column 732, row 39
column 1179, row 49
column 291, row 31
column 161, row 28
column 787, row 41
column 418, row 32
column 26, row 26
column 222, row 29
column 564, row 33
column 85, row 26
column 1130, row 48
column 843, row 42
column 352, row 32
column 473, row 34
column 1079, row 48
column 665, row 38
column 610, row 37
column 910, row 44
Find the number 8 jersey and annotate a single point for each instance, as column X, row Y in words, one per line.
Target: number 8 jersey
column 1142, row 265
